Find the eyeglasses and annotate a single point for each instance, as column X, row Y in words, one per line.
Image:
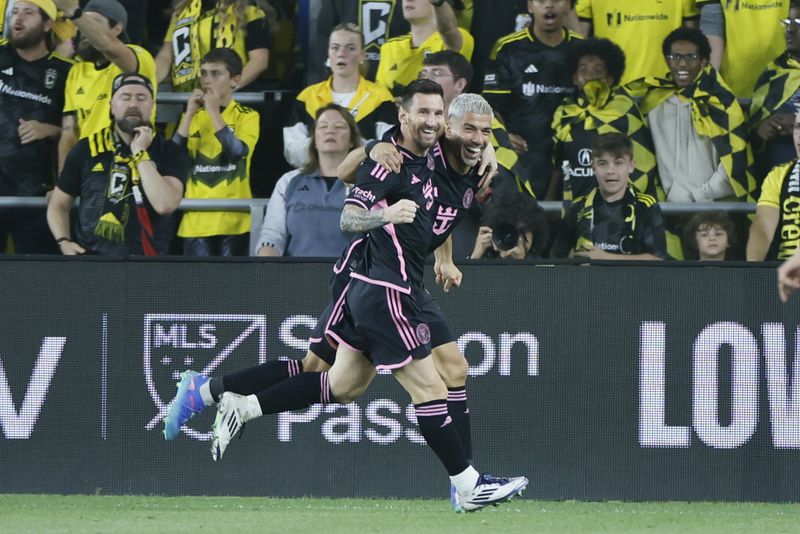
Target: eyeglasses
column 677, row 58
column 435, row 73
column 790, row 22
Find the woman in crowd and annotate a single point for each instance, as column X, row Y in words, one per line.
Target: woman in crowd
column 303, row 213
column 370, row 104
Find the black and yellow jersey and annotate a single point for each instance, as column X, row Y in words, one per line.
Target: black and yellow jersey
column 401, row 61
column 29, row 90
column 88, row 91
column 213, row 175
column 192, row 39
column 781, row 190
column 525, row 82
column 754, row 37
column 639, row 28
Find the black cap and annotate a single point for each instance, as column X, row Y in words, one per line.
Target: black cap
column 130, row 78
column 110, row 9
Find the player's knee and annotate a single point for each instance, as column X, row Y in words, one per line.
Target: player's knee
column 456, row 374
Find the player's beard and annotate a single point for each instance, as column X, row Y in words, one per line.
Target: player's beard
column 130, row 122
column 30, row 39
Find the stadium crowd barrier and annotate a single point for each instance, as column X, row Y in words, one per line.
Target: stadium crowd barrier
column 676, row 381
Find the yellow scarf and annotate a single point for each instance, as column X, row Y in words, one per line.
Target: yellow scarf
column 186, row 66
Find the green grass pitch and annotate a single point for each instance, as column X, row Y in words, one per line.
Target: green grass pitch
column 217, row 515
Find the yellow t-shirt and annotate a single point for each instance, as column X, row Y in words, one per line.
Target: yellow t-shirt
column 212, row 176
column 787, row 235
column 639, row 27
column 753, row 38
column 401, row 62
column 88, row 91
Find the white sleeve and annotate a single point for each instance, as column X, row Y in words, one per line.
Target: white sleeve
column 273, row 231
column 295, row 144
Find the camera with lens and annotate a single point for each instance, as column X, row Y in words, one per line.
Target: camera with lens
column 505, row 236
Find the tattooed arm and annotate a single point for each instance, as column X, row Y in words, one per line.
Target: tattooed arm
column 358, row 220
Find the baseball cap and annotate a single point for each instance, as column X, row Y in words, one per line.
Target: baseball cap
column 110, row 9
column 130, row 78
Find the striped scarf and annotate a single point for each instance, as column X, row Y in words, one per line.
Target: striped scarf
column 776, row 85
column 186, row 66
column 717, row 115
column 600, row 109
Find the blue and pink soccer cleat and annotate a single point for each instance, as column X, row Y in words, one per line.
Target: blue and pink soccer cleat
column 186, row 404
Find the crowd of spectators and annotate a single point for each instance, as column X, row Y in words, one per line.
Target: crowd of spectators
column 608, row 106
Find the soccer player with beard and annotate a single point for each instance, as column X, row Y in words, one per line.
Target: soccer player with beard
column 426, row 212
column 129, row 181
column 104, row 53
column 32, row 80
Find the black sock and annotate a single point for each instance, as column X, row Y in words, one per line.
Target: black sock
column 458, row 410
column 295, row 393
column 436, row 426
column 256, row 379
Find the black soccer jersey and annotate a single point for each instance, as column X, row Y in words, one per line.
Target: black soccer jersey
column 395, row 254
column 90, row 175
column 29, row 90
column 454, row 194
column 525, row 82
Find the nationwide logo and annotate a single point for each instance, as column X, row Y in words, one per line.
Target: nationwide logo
column 531, row 69
column 616, row 19
column 10, row 91
column 531, row 88
column 203, row 342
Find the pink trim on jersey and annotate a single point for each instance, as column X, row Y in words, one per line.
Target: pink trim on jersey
column 379, row 172
column 404, row 328
column 390, row 229
column 294, row 368
column 339, row 341
column 356, row 202
column 438, row 152
column 339, row 267
column 403, row 290
column 314, row 339
column 394, row 365
column 337, row 311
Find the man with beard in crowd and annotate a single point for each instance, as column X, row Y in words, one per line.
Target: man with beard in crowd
column 129, row 181
column 32, row 80
column 104, row 53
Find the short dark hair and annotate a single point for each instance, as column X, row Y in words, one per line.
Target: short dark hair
column 688, row 34
column 521, row 211
column 612, row 143
column 611, row 54
column 708, row 219
column 227, row 57
column 424, row 87
column 458, row 64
